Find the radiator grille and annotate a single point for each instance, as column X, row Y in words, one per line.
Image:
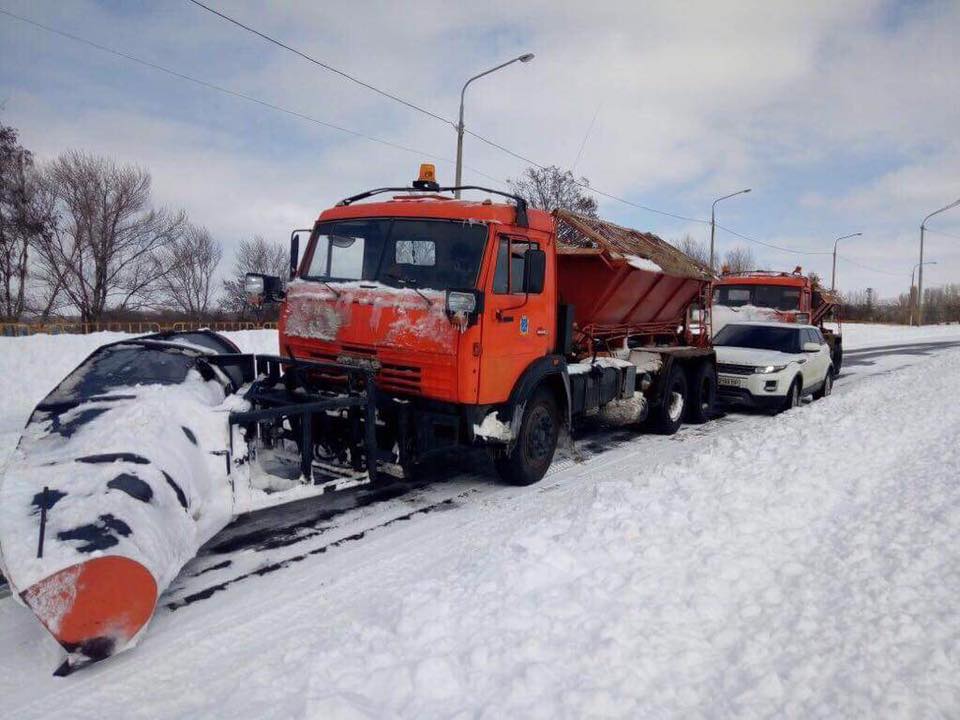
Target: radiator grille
column 728, row 369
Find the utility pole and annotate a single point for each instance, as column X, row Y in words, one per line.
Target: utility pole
column 921, row 263
column 713, row 222
column 833, row 277
column 913, row 298
column 525, row 58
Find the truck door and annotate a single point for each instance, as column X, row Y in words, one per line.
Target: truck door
column 518, row 327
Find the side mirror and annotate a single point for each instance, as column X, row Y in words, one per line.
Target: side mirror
column 534, row 271
column 262, row 289
column 294, row 254
column 811, row 347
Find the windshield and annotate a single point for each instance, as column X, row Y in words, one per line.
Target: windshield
column 760, row 337
column 438, row 254
column 777, row 297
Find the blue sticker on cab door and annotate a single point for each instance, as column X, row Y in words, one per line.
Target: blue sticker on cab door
column 524, row 324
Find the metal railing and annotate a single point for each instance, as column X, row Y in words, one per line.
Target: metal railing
column 135, row 327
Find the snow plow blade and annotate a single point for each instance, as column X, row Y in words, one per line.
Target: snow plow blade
column 118, row 478
column 146, row 451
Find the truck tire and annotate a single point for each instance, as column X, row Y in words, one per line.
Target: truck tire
column 668, row 415
column 703, row 394
column 827, row 388
column 533, row 451
column 836, row 358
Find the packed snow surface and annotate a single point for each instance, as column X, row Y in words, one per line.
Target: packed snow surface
column 803, row 565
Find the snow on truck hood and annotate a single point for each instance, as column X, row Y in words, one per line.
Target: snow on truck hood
column 752, row 356
column 314, row 310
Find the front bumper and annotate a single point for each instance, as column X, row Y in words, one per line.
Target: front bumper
column 761, row 390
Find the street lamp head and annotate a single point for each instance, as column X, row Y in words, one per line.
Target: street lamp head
column 526, row 57
column 747, row 190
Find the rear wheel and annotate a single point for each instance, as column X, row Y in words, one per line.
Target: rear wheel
column 668, row 416
column 703, row 394
column 533, row 451
column 827, row 388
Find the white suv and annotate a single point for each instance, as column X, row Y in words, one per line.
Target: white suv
column 771, row 365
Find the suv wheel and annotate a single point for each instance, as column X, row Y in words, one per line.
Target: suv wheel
column 792, row 399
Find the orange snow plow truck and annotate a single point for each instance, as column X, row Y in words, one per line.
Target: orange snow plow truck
column 459, row 323
column 778, row 296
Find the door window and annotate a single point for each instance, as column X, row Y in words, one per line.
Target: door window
column 511, row 259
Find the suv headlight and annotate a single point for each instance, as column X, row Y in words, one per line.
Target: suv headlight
column 766, row 369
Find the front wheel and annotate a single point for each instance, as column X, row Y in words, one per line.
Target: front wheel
column 536, row 444
column 792, row 399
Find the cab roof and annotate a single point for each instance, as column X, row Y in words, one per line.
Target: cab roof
column 770, row 323
column 433, row 206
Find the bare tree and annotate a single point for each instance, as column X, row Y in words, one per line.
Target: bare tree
column 739, row 259
column 101, row 252
column 22, row 221
column 694, row 248
column 253, row 256
column 551, row 188
column 188, row 265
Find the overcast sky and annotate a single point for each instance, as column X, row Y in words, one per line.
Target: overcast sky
column 842, row 116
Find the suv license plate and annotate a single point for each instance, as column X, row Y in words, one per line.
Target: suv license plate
column 730, row 381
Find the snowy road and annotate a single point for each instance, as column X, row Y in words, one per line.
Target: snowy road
column 799, row 565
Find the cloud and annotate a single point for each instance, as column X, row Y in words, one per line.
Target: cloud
column 839, row 115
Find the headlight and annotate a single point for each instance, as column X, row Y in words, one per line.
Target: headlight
column 461, row 302
column 803, row 318
column 769, row 369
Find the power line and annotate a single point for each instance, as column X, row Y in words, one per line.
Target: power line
column 583, row 144
column 867, row 267
column 771, row 245
column 430, row 113
column 320, row 63
column 388, row 143
column 940, row 232
column 236, row 94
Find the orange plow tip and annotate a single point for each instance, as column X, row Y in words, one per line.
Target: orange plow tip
column 95, row 607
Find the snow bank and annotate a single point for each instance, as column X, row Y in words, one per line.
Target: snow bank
column 748, row 579
column 864, row 335
column 744, row 568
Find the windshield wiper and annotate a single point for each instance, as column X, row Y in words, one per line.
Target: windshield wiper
column 410, row 283
column 331, row 288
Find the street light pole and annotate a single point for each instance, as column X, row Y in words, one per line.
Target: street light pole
column 912, row 302
column 525, row 58
column 713, row 221
column 921, row 264
column 833, row 277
